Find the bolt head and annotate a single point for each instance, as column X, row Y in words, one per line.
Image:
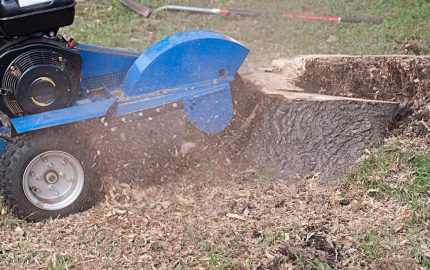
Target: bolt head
column 51, row 178
column 34, row 189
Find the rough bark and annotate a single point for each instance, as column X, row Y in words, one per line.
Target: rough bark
column 303, row 134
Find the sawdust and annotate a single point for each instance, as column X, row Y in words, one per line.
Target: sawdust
column 245, row 221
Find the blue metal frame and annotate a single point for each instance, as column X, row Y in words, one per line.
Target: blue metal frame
column 105, row 66
column 98, row 61
column 62, row 116
column 194, row 67
column 3, row 144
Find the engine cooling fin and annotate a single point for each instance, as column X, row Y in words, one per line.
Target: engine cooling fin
column 25, row 62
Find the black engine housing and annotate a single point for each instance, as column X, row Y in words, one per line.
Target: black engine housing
column 21, row 17
column 38, row 74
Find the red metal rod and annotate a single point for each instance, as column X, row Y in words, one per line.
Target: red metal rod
column 138, row 7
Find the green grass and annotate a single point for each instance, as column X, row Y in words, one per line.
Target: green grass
column 424, row 261
column 320, row 265
column 220, row 262
column 10, row 222
column 402, row 173
column 399, row 172
column 380, row 244
column 62, row 262
column 411, row 169
column 375, row 244
column 109, row 23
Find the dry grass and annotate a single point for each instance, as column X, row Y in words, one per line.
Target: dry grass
column 246, row 222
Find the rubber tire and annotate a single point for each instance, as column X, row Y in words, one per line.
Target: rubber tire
column 20, row 154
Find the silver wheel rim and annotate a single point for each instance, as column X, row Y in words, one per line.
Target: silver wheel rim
column 53, row 180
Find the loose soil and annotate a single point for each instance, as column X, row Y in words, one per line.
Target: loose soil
column 245, row 221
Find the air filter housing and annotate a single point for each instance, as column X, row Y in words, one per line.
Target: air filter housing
column 22, row 17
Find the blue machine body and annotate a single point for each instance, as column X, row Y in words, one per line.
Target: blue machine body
column 3, row 146
column 195, row 68
column 3, row 143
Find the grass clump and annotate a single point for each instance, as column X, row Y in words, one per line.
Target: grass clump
column 402, row 173
column 399, row 172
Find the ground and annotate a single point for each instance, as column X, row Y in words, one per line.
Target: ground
column 377, row 217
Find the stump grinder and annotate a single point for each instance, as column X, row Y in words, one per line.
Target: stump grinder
column 47, row 81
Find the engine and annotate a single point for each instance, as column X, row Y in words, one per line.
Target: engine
column 39, row 70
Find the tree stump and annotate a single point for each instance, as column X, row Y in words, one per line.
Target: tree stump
column 300, row 134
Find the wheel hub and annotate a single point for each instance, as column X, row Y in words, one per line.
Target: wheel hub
column 53, row 180
column 51, row 177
